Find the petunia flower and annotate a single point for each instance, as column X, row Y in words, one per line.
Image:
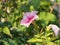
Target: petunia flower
column 55, row 28
column 28, row 18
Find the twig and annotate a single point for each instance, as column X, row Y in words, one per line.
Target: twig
column 52, row 8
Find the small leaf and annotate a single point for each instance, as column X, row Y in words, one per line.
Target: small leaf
column 7, row 31
column 31, row 8
column 35, row 40
column 14, row 24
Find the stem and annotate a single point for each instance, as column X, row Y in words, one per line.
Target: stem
column 51, row 9
column 35, row 26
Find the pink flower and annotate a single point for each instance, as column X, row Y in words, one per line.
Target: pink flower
column 28, row 18
column 55, row 28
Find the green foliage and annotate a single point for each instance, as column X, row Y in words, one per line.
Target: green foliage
column 46, row 18
column 7, row 31
column 12, row 33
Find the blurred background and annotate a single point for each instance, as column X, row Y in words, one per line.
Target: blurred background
column 11, row 13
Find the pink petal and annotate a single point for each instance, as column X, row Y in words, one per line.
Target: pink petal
column 28, row 18
column 55, row 29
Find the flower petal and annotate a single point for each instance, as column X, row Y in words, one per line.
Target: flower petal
column 28, row 18
column 55, row 28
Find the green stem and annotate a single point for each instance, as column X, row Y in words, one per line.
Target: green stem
column 35, row 27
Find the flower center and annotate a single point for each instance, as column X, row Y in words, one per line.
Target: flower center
column 29, row 19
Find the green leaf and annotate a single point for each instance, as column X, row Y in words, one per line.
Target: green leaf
column 51, row 43
column 31, row 8
column 14, row 24
column 7, row 31
column 46, row 17
column 58, row 42
column 51, row 17
column 5, row 42
column 39, row 44
column 0, row 29
column 58, row 1
column 44, row 3
column 35, row 40
column 36, row 3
